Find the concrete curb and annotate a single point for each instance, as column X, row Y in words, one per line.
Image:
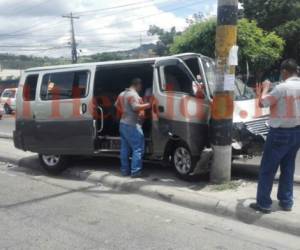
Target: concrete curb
column 6, row 136
column 238, row 210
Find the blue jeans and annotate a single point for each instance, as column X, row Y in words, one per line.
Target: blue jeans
column 132, row 143
column 281, row 149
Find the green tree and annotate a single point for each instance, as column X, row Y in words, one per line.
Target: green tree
column 166, row 38
column 281, row 16
column 258, row 48
column 198, row 38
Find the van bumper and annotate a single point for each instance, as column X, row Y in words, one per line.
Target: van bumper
column 18, row 140
column 249, row 137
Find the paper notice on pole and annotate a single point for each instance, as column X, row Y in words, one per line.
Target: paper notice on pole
column 233, row 56
column 229, row 82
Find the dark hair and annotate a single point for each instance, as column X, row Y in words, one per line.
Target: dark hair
column 136, row 81
column 290, row 65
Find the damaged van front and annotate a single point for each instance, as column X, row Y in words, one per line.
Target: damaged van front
column 250, row 122
column 250, row 125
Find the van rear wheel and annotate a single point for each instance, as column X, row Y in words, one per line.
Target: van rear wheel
column 184, row 163
column 53, row 164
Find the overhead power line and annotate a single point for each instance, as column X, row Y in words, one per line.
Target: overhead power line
column 23, row 10
column 121, row 8
column 144, row 17
column 102, row 44
column 41, row 49
column 114, row 7
column 36, row 27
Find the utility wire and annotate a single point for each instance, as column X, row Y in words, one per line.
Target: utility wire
column 121, row 7
column 112, row 33
column 143, row 17
column 34, row 28
column 109, row 8
column 42, row 3
column 21, row 10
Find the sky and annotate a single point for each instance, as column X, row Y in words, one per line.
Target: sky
column 36, row 27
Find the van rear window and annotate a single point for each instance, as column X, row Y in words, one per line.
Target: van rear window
column 65, row 85
column 29, row 88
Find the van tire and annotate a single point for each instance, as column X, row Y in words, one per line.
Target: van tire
column 183, row 162
column 53, row 164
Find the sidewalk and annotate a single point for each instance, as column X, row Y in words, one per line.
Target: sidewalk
column 6, row 136
column 229, row 200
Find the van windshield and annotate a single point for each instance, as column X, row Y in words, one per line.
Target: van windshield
column 242, row 91
column 210, row 71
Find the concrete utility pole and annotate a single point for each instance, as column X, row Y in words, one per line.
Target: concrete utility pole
column 73, row 39
column 223, row 103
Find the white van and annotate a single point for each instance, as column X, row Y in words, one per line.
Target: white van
column 69, row 110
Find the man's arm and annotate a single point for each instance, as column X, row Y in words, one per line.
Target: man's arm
column 265, row 98
column 136, row 104
column 141, row 107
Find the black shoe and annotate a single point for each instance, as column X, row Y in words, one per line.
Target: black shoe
column 141, row 175
column 256, row 207
column 284, row 208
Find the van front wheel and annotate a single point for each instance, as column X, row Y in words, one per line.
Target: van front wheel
column 183, row 162
column 53, row 164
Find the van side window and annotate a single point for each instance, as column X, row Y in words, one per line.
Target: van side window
column 176, row 80
column 29, row 88
column 65, row 85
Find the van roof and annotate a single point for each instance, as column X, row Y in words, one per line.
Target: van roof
column 131, row 61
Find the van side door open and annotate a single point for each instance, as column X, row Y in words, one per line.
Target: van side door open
column 64, row 112
column 178, row 115
column 110, row 81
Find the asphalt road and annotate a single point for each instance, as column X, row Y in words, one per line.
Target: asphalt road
column 7, row 125
column 39, row 212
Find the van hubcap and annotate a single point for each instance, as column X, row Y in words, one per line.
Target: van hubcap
column 51, row 160
column 182, row 160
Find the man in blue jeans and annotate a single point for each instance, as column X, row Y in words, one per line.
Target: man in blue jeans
column 283, row 141
column 131, row 105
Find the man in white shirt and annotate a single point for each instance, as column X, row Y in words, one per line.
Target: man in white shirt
column 283, row 141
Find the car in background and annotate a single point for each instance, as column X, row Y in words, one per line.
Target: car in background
column 1, row 112
column 8, row 100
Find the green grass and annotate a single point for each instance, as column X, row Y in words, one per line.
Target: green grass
column 232, row 185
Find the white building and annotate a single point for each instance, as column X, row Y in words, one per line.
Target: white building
column 9, row 74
